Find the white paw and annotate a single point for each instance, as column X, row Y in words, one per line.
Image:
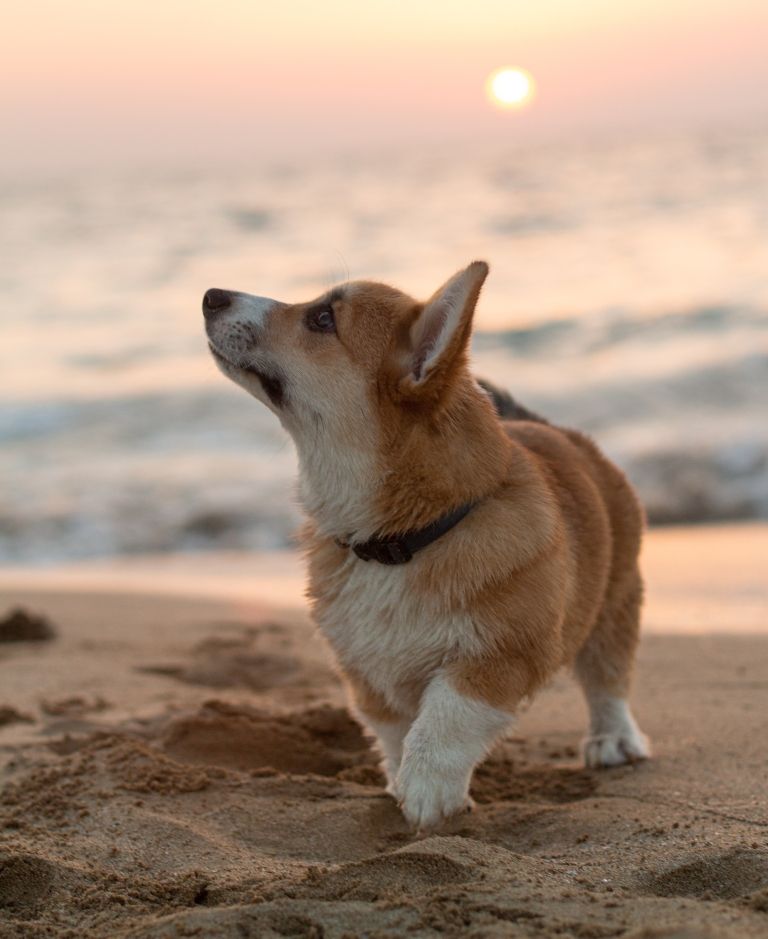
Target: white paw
column 428, row 799
column 615, row 749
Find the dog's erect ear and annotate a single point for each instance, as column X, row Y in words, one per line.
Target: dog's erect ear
column 440, row 332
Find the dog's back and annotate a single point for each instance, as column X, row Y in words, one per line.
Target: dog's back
column 506, row 407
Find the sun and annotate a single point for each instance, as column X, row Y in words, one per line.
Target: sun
column 510, row 88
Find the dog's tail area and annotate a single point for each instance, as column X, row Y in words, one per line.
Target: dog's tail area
column 506, row 407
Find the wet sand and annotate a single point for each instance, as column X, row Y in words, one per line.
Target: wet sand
column 178, row 760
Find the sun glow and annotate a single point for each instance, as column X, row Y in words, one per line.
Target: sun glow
column 510, row 88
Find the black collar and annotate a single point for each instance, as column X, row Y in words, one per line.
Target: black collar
column 400, row 549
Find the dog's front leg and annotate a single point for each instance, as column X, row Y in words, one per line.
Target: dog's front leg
column 389, row 738
column 388, row 726
column 450, row 735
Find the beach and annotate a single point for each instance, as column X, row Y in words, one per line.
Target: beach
column 178, row 760
column 278, row 193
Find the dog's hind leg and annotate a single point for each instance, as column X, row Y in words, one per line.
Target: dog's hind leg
column 604, row 669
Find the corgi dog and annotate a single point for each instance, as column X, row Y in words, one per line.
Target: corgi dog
column 460, row 549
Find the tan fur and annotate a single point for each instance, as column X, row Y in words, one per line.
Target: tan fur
column 542, row 573
column 563, row 527
column 563, row 523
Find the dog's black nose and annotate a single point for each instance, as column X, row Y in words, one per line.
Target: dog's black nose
column 215, row 301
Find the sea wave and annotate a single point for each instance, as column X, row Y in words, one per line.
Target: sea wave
column 208, row 467
column 629, row 301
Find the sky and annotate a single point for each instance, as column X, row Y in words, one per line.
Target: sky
column 92, row 83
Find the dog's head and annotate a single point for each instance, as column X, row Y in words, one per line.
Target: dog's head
column 368, row 382
column 332, row 362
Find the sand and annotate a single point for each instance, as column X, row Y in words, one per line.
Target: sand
column 177, row 760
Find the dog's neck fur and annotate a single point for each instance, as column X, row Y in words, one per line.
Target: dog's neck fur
column 337, row 486
column 418, row 470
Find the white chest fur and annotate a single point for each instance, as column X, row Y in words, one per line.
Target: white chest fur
column 391, row 633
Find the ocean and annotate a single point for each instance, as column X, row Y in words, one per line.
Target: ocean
column 628, row 297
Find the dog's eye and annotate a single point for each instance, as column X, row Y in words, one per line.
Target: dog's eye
column 321, row 320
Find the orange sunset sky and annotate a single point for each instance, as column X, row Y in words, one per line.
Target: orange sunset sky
column 99, row 82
